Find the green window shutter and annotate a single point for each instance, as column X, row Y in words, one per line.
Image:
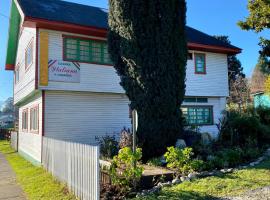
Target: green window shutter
column 89, row 51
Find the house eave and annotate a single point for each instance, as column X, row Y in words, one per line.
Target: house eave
column 214, row 49
column 101, row 32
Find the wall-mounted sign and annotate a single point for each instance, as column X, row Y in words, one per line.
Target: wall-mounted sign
column 63, row 71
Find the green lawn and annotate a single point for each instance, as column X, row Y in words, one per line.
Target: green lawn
column 36, row 182
column 214, row 187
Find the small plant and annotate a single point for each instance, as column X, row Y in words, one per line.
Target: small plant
column 181, row 160
column 155, row 162
column 125, row 170
column 108, row 146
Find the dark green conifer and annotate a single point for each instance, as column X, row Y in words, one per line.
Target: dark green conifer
column 148, row 47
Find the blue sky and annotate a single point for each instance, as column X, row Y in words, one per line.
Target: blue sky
column 215, row 17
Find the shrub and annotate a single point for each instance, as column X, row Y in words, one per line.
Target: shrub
column 250, row 154
column 155, row 162
column 181, row 160
column 264, row 115
column 108, row 146
column 125, row 170
column 231, row 157
column 240, row 129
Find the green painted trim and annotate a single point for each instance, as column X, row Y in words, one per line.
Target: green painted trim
column 14, row 30
column 29, row 158
column 91, row 54
column 192, row 115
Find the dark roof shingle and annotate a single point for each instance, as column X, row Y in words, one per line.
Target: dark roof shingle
column 67, row 12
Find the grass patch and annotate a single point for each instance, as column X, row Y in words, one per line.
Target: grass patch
column 213, row 187
column 35, row 181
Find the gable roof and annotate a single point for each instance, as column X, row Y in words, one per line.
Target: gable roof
column 83, row 15
column 83, row 19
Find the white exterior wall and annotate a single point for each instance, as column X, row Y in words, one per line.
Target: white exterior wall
column 80, row 117
column 26, row 84
column 219, row 105
column 94, row 78
column 212, row 84
column 102, row 78
column 30, row 143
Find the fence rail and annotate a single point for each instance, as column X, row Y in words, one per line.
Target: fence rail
column 75, row 164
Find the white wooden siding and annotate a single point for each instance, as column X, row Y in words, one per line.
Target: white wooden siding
column 212, row 84
column 80, row 117
column 26, row 84
column 101, row 78
column 30, row 143
column 94, row 78
column 219, row 105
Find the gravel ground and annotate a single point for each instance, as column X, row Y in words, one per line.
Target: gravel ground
column 258, row 194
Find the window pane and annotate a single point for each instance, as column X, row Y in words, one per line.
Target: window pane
column 86, row 51
column 202, row 100
column 29, row 55
column 200, row 63
column 106, row 54
column 198, row 115
column 96, row 52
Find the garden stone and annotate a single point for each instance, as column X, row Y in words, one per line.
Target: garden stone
column 176, row 181
column 260, row 159
column 267, row 152
column 230, row 170
column 180, row 144
column 206, row 138
column 193, row 175
column 182, row 178
column 223, row 171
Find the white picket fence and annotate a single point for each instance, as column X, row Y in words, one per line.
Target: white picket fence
column 75, row 164
column 14, row 140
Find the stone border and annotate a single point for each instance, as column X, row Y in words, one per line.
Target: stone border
column 196, row 175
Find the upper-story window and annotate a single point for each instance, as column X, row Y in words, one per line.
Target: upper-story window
column 29, row 55
column 86, row 50
column 17, row 74
column 34, row 119
column 200, row 63
column 25, row 120
column 190, row 56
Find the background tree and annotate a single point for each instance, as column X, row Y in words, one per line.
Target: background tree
column 267, row 85
column 259, row 76
column 148, row 47
column 8, row 106
column 236, row 78
column 258, row 20
column 240, row 93
column 235, row 68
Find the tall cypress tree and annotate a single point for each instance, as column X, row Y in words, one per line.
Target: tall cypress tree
column 148, row 47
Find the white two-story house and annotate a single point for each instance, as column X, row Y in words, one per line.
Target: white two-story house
column 66, row 87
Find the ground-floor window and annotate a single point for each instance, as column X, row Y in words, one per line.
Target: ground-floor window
column 34, row 119
column 198, row 115
column 25, row 119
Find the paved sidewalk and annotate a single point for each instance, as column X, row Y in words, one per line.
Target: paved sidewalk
column 8, row 187
column 258, row 194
